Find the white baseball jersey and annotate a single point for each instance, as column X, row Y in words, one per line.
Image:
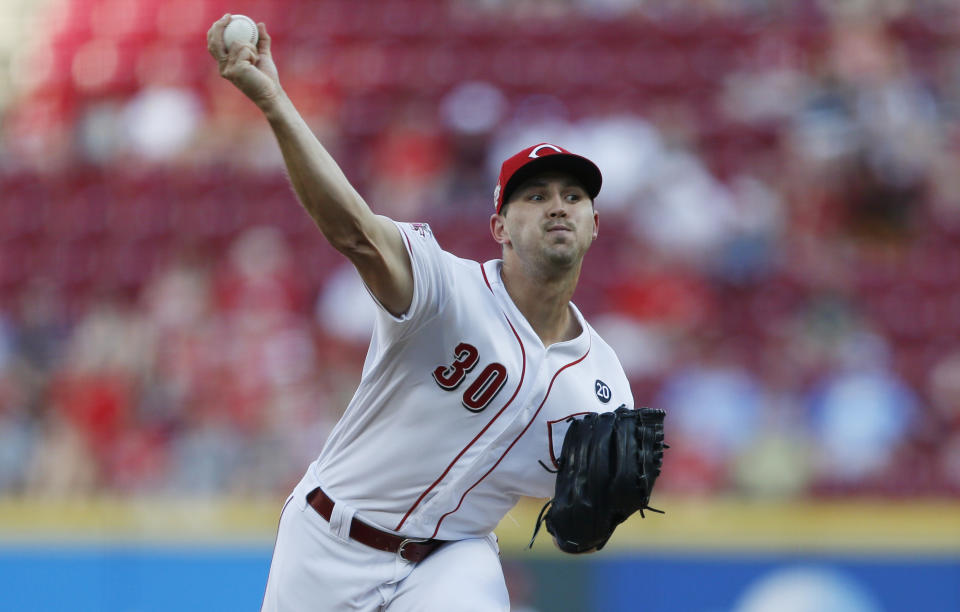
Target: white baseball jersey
column 460, row 409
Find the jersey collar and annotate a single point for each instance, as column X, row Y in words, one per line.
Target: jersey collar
column 493, row 269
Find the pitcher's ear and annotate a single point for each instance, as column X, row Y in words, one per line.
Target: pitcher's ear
column 498, row 228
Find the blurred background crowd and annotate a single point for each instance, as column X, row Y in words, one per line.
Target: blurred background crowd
column 779, row 253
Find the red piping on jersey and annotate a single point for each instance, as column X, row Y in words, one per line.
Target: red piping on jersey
column 553, row 457
column 517, row 439
column 523, row 372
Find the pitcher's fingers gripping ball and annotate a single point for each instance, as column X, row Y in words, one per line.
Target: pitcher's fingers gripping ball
column 608, row 466
column 241, row 29
column 244, row 57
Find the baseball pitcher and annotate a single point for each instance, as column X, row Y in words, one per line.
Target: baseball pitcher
column 482, row 383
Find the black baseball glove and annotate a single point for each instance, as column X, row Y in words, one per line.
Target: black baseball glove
column 607, row 468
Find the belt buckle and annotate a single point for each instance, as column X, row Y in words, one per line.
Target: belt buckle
column 409, row 541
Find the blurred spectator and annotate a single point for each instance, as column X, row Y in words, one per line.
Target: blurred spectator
column 111, row 339
column 473, row 107
column 944, row 388
column 653, row 289
column 779, row 461
column 6, row 342
column 260, row 281
column 18, row 440
column 40, row 330
column 100, row 134
column 750, row 252
column 943, row 185
column 714, row 406
column 944, row 384
column 686, row 213
column 408, row 164
column 873, row 121
column 62, row 464
column 644, row 348
column 17, row 429
column 95, row 391
column 345, row 309
column 861, row 411
column 204, row 457
column 160, row 122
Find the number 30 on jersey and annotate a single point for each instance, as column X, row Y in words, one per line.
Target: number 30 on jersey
column 484, row 387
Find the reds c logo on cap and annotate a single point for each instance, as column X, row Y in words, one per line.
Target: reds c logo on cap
column 536, row 150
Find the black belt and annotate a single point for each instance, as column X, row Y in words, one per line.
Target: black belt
column 408, row 549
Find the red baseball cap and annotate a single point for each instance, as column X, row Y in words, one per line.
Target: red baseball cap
column 540, row 158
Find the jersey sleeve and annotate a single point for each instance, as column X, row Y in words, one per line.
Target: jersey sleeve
column 431, row 278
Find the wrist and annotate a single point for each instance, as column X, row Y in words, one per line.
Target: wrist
column 273, row 105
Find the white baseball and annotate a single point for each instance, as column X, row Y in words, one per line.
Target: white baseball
column 241, row 29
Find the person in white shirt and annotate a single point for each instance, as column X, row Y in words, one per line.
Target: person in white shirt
column 471, row 375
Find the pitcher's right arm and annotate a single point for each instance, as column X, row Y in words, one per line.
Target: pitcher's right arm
column 371, row 242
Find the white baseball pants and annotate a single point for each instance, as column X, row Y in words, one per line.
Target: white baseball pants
column 316, row 568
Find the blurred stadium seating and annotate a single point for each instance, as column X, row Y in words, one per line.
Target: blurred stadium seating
column 863, row 244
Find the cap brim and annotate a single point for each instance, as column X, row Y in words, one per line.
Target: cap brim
column 584, row 170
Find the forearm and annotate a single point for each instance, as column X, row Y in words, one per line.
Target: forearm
column 322, row 188
column 372, row 243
